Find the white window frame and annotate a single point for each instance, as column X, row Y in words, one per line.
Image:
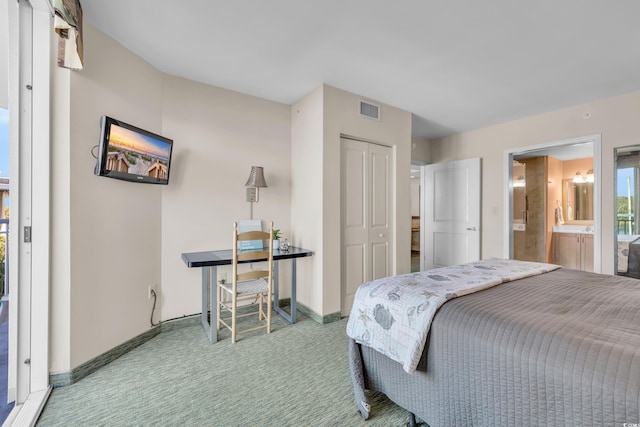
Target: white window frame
column 30, row 35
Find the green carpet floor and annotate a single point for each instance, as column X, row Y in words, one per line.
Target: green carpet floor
column 296, row 376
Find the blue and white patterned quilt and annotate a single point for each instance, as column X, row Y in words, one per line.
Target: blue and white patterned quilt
column 393, row 314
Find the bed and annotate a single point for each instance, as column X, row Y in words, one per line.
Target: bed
column 557, row 348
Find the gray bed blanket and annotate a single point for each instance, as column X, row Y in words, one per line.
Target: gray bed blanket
column 559, row 349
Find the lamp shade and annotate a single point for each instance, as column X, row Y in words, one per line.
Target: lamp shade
column 256, row 177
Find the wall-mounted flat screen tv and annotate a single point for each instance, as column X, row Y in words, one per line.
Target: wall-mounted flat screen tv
column 132, row 154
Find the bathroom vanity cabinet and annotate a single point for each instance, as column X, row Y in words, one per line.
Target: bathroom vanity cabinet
column 573, row 250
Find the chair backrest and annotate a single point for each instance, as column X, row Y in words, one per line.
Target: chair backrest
column 252, row 255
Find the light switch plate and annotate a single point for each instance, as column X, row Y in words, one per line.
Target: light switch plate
column 251, row 194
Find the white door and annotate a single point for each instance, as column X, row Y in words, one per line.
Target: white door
column 450, row 213
column 366, row 215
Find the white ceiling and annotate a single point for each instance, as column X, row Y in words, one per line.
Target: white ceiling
column 457, row 65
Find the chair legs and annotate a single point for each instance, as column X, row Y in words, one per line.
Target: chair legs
column 269, row 300
column 229, row 303
column 223, row 305
column 219, row 306
column 263, row 314
column 234, row 309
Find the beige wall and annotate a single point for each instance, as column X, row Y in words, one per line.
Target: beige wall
column 106, row 243
column 316, row 210
column 420, row 149
column 307, row 227
column 60, row 291
column 218, row 135
column 616, row 119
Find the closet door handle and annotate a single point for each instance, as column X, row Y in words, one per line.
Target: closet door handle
column 472, row 229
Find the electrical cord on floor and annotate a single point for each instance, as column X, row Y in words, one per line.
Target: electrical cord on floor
column 155, row 298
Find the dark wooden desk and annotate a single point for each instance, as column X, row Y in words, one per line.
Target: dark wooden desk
column 210, row 260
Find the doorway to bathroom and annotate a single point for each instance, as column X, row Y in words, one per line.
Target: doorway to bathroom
column 542, row 185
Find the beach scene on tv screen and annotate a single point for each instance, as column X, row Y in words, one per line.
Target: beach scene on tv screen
column 136, row 153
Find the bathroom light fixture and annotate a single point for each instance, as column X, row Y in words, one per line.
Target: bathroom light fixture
column 590, row 175
column 519, row 182
column 578, row 178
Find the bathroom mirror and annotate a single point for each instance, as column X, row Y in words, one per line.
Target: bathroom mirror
column 577, row 200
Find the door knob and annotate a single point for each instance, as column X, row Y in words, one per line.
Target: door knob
column 381, row 235
column 472, row 228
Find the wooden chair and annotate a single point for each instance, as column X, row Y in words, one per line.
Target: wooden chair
column 256, row 285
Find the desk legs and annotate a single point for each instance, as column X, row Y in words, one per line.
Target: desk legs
column 210, row 302
column 291, row 318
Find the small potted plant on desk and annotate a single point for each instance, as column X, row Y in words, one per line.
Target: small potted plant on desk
column 276, row 238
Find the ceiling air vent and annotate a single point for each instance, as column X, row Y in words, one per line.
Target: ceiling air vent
column 369, row 110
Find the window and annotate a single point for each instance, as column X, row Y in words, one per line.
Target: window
column 627, row 175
